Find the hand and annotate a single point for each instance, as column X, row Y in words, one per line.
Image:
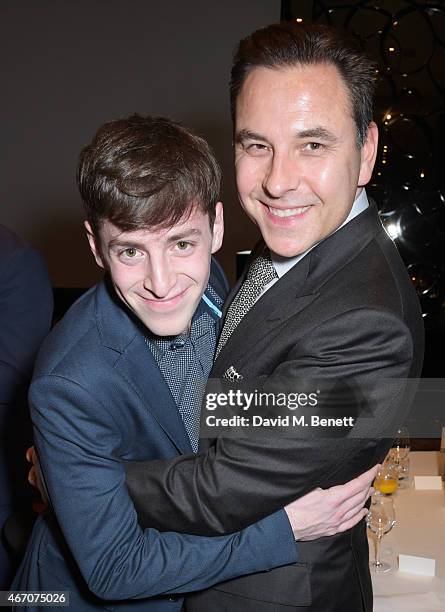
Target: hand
column 34, row 474
column 325, row 512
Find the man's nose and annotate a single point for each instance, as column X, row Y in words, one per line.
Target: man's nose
column 159, row 277
column 283, row 175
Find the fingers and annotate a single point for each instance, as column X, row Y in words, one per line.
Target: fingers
column 352, row 521
column 351, row 505
column 360, row 483
column 357, row 509
column 32, row 476
column 368, row 477
column 29, row 454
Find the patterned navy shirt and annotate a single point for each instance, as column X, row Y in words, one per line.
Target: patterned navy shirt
column 186, row 360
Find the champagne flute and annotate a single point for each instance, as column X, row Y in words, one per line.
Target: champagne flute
column 381, row 519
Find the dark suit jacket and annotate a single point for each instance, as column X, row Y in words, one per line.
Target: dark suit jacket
column 25, row 318
column 97, row 398
column 347, row 311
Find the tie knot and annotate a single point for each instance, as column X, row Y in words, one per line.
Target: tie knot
column 262, row 270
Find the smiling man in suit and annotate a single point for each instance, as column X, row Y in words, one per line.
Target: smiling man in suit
column 118, row 379
column 334, row 303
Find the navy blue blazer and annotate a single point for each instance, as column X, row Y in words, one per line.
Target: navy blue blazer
column 98, row 398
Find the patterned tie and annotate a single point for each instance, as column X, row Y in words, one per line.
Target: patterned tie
column 259, row 274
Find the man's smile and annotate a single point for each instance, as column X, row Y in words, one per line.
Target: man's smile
column 285, row 216
column 165, row 303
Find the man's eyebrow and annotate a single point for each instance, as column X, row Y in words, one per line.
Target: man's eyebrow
column 318, row 132
column 140, row 244
column 121, row 242
column 183, row 235
column 244, row 135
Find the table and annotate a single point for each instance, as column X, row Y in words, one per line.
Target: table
column 420, row 531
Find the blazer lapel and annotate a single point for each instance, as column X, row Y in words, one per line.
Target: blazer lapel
column 122, row 333
column 141, row 371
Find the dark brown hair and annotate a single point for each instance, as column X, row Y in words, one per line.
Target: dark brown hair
column 289, row 43
column 147, row 172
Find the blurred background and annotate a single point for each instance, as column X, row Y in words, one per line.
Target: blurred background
column 70, row 66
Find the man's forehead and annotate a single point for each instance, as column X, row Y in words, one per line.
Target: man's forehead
column 292, row 79
column 293, row 72
column 293, row 91
column 192, row 225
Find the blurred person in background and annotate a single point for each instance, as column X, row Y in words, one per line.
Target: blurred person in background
column 26, row 305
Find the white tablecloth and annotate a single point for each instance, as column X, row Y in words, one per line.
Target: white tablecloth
column 420, row 531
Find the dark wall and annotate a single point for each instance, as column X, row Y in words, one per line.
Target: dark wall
column 68, row 66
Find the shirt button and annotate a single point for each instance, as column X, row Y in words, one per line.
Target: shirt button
column 177, row 344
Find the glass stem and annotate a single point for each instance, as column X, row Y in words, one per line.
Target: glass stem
column 376, row 540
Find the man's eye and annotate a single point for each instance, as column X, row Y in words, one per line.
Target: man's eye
column 130, row 253
column 314, row 146
column 183, row 245
column 256, row 148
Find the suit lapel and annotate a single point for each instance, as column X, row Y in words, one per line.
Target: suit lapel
column 122, row 333
column 284, row 300
column 141, row 371
column 299, row 287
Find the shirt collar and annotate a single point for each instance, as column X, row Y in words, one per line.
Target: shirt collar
column 203, row 322
column 284, row 264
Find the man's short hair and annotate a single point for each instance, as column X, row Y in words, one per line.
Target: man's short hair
column 147, row 173
column 288, row 44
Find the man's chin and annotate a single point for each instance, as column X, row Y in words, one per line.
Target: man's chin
column 286, row 248
column 161, row 329
column 173, row 322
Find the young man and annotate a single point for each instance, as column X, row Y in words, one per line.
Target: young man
column 338, row 307
column 117, row 380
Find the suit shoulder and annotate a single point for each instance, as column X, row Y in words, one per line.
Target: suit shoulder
column 72, row 341
column 18, row 259
column 377, row 279
column 10, row 243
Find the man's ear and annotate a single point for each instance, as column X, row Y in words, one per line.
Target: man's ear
column 368, row 155
column 94, row 244
column 218, row 228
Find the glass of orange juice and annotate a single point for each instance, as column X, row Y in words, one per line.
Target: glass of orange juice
column 387, row 478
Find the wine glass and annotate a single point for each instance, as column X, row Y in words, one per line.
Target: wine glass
column 399, row 452
column 386, row 480
column 400, row 446
column 381, row 519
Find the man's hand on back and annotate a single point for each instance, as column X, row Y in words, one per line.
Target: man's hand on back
column 35, row 478
column 325, row 512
